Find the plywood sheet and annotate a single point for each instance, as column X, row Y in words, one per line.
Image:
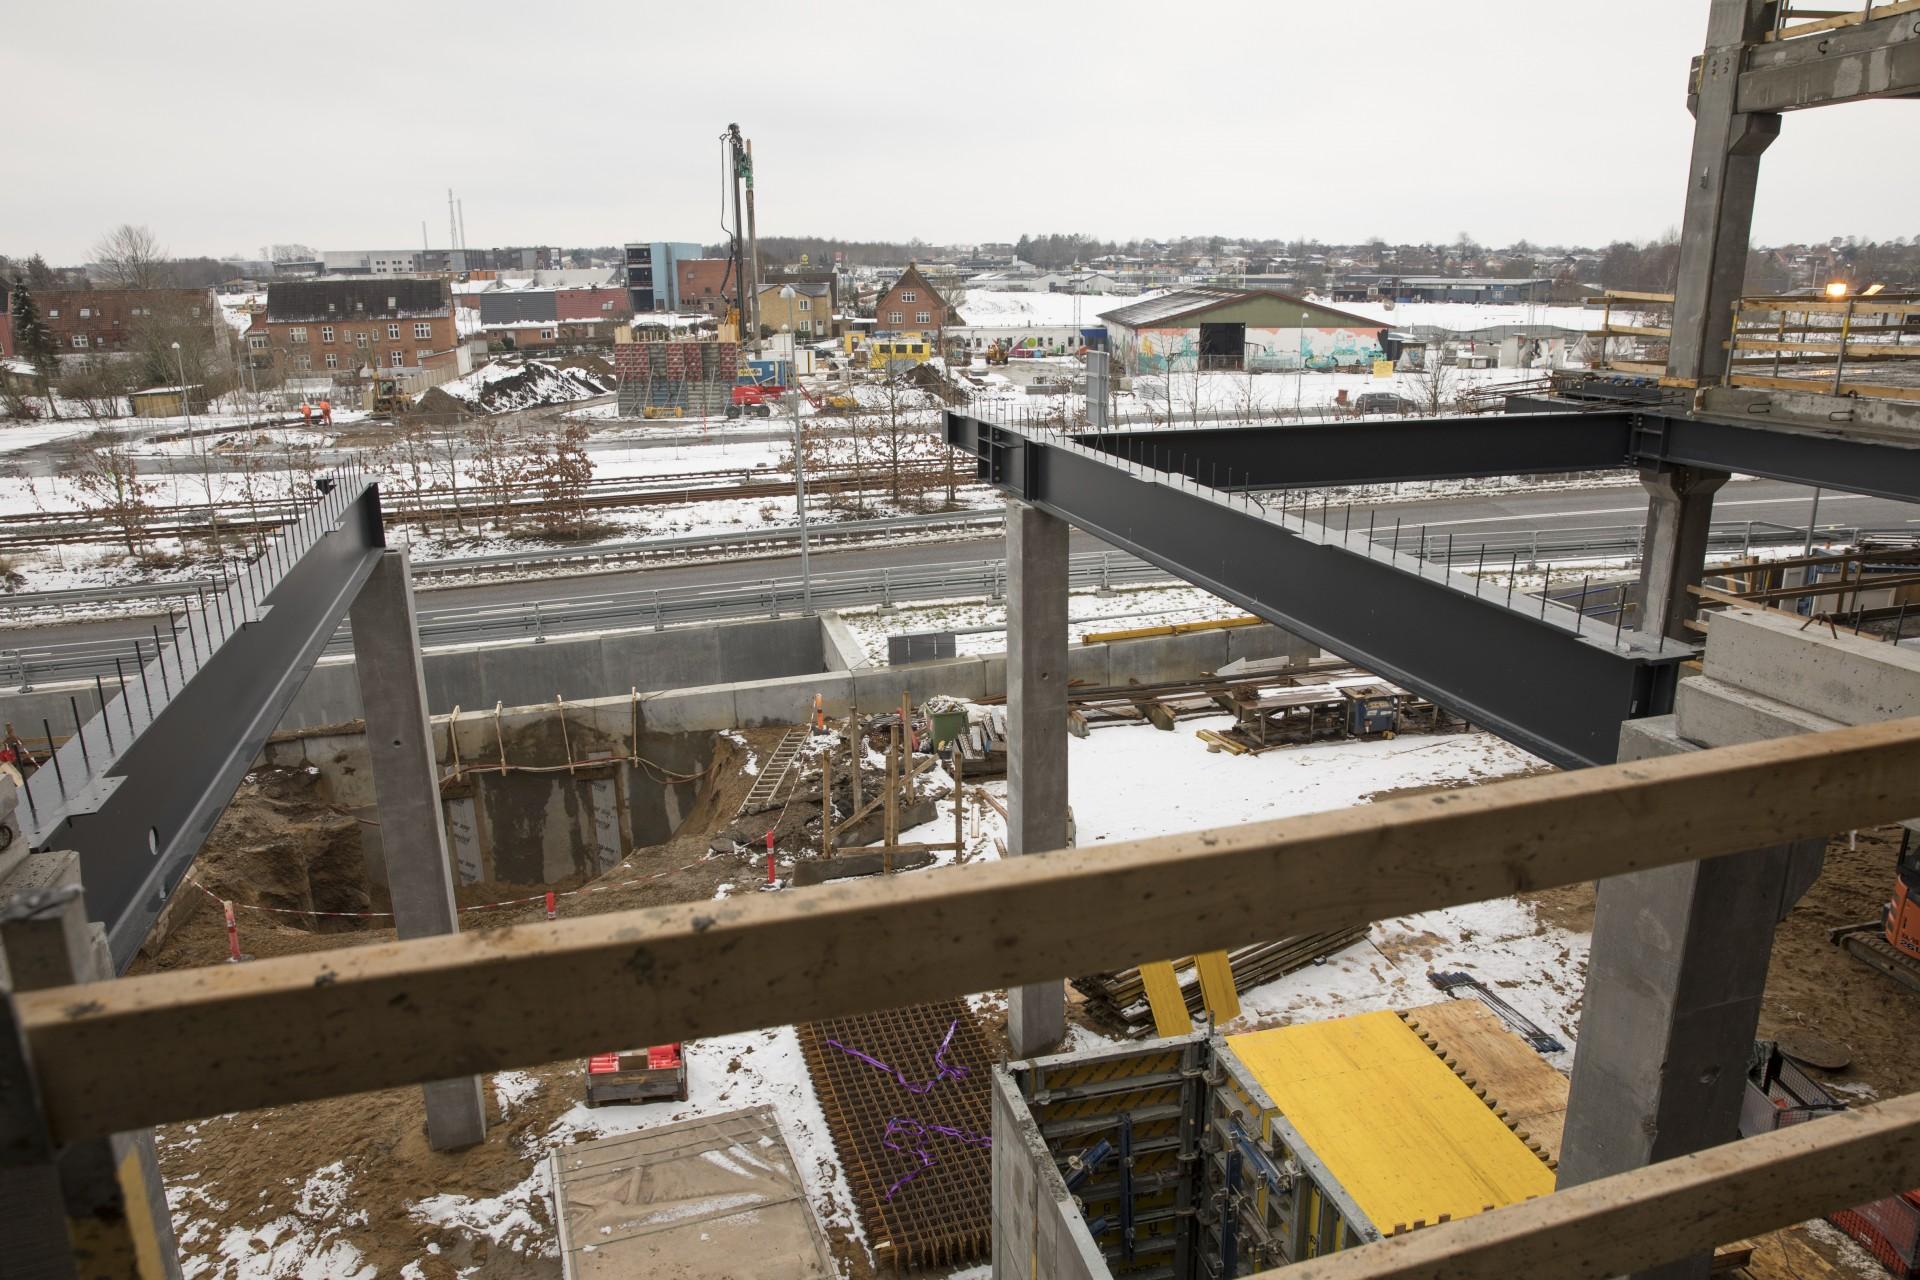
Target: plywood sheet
column 1517, row 1079
column 1404, row 1136
column 716, row 1197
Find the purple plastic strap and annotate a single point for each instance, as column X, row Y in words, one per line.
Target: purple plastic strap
column 946, row 1070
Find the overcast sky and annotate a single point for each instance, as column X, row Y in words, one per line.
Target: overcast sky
column 224, row 126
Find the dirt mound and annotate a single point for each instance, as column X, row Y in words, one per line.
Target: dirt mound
column 280, row 845
column 503, row 386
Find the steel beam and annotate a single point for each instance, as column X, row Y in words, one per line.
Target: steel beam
column 1378, row 450
column 1876, row 59
column 136, row 789
column 1881, row 461
column 1531, row 673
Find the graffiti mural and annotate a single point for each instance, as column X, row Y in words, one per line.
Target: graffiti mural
column 1161, row 350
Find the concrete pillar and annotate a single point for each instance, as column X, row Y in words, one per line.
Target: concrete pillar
column 1721, row 177
column 100, row 1209
column 386, row 654
column 1674, row 984
column 1679, row 518
column 1036, row 735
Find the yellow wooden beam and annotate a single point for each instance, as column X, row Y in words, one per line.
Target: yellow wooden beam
column 1216, row 986
column 1164, row 998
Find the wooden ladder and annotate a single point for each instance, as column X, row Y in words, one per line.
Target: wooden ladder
column 776, row 774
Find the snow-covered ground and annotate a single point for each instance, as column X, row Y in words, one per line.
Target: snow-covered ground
column 503, row 385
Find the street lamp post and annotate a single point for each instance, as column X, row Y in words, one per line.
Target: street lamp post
column 800, row 500
column 186, row 401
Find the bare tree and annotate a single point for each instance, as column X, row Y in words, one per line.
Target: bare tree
column 99, row 385
column 131, row 257
column 562, row 472
column 110, row 488
column 1435, row 387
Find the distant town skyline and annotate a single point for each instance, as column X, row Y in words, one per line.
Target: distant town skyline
column 233, row 128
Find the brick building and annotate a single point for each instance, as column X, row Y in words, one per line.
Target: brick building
column 706, row 285
column 808, row 315
column 95, row 321
column 340, row 325
column 913, row 305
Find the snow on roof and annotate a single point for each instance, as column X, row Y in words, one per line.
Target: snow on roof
column 1185, row 302
column 1010, row 309
column 1470, row 317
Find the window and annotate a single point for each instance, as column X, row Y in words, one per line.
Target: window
column 608, row 306
column 53, row 313
column 80, row 340
column 909, row 295
column 326, row 333
column 923, row 317
column 422, row 329
column 257, row 341
column 399, row 360
column 196, row 313
column 333, row 361
column 806, row 304
column 302, row 360
column 423, row 355
column 549, row 333
column 297, row 334
column 393, row 331
column 894, row 317
column 393, row 303
column 85, row 313
column 360, row 340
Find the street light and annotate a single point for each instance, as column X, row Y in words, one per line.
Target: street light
column 800, row 499
column 186, row 401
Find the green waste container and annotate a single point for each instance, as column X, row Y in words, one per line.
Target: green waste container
column 947, row 725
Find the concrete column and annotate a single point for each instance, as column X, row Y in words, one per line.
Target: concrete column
column 1036, row 735
column 1679, row 518
column 386, row 654
column 1674, row 984
column 1721, row 177
column 100, row 1209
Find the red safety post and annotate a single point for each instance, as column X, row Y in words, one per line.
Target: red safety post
column 769, row 858
column 233, row 933
column 550, row 911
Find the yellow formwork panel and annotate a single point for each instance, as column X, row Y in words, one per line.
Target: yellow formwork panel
column 1402, row 1134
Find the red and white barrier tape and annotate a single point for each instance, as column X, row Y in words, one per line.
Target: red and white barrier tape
column 548, row 897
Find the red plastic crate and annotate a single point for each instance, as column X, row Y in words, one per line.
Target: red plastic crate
column 1888, row 1229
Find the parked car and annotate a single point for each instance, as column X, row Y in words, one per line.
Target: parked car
column 1382, row 402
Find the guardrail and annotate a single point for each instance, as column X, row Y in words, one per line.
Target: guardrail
column 541, row 620
column 773, row 597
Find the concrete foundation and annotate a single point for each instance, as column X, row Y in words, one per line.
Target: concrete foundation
column 1680, row 954
column 1037, row 676
column 406, row 786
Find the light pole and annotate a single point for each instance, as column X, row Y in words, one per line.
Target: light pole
column 186, row 401
column 800, row 499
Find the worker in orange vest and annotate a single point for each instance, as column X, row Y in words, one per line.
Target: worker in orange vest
column 326, row 413
column 306, row 413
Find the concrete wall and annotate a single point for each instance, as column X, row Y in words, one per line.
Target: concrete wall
column 537, row 822
column 788, row 701
column 1037, row 1227
column 527, row 673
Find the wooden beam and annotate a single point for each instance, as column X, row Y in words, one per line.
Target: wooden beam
column 122, row 1055
column 1823, row 386
column 1631, row 1221
column 1852, row 18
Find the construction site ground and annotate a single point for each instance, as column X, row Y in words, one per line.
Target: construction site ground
column 349, row 1188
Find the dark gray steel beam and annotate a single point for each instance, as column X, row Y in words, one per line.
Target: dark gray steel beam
column 1529, row 678
column 1381, row 451
column 137, row 788
column 1876, row 59
column 1879, row 468
column 1378, row 450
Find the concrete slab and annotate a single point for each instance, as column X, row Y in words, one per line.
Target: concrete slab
column 787, row 701
column 1844, row 678
column 1714, row 713
column 840, row 649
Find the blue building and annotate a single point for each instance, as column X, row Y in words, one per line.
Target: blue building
column 653, row 274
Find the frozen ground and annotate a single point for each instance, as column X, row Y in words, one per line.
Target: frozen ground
column 1125, row 609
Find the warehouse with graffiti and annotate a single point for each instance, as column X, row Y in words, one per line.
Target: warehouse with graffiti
column 1226, row 328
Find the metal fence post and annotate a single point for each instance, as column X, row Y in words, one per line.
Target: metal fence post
column 539, row 625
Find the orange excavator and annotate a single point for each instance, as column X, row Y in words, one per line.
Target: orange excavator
column 1891, row 944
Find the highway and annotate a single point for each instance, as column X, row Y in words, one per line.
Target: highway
column 1468, row 517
